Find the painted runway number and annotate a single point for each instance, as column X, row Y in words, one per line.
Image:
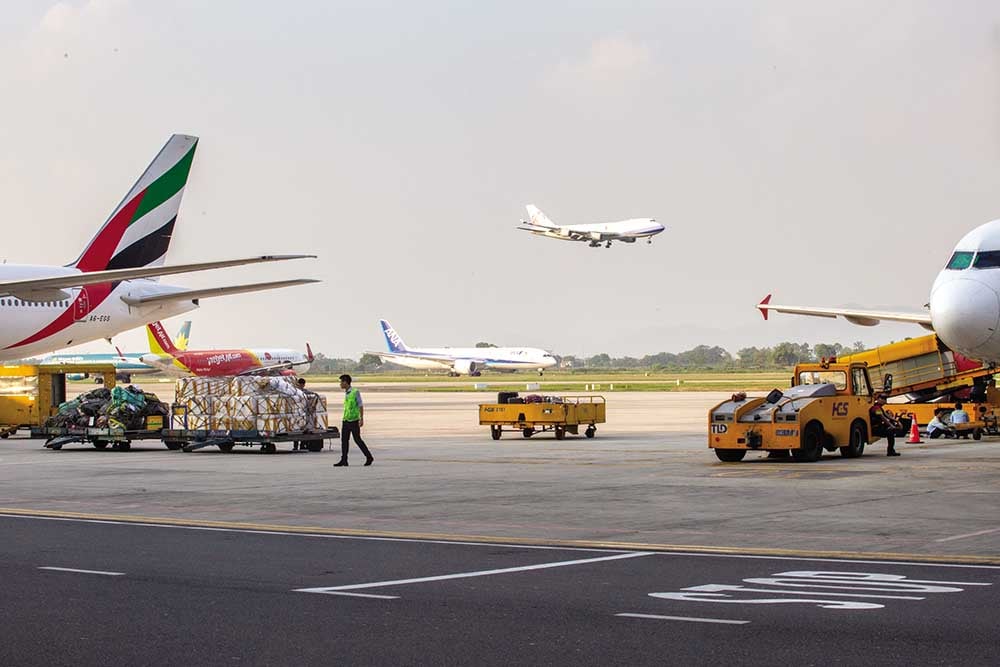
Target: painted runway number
column 829, row 590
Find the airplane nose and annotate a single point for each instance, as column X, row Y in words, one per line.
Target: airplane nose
column 965, row 314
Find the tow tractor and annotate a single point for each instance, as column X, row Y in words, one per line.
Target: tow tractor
column 826, row 408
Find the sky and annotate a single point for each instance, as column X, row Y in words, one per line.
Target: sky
column 829, row 153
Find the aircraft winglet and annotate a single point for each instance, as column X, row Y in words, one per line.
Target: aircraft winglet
column 762, row 306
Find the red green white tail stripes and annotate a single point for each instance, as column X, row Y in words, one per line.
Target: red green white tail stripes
column 138, row 231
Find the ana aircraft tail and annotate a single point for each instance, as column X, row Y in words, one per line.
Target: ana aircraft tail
column 392, row 338
column 159, row 340
column 138, row 232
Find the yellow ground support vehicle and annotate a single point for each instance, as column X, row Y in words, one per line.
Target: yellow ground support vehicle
column 827, row 407
column 567, row 414
column 31, row 394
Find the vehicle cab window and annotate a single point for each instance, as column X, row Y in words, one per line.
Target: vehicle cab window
column 837, row 378
column 962, row 259
column 860, row 382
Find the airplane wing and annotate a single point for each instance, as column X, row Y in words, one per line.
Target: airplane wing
column 191, row 295
column 390, row 356
column 865, row 318
column 264, row 370
column 30, row 290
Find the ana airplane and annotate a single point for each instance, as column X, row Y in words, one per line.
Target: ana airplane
column 964, row 304
column 167, row 357
column 462, row 360
column 626, row 231
column 126, row 364
column 112, row 286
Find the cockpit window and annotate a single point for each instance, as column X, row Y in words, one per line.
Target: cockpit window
column 837, row 378
column 989, row 259
column 960, row 260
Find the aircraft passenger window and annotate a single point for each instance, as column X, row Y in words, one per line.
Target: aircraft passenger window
column 960, row 260
column 989, row 259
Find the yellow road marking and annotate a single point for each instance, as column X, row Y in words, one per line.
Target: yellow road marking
column 493, row 539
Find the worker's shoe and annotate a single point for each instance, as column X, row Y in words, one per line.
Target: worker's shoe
column 339, row 463
column 892, row 453
column 369, row 460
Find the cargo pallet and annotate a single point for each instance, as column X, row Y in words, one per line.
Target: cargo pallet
column 532, row 418
column 191, row 440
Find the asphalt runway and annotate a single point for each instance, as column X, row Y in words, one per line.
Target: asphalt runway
column 118, row 594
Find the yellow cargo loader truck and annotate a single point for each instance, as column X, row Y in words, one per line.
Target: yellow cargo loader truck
column 826, row 408
column 30, row 394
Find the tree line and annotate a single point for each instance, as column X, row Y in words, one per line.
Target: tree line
column 702, row 357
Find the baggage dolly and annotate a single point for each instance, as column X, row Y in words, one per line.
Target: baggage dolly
column 558, row 417
column 190, row 440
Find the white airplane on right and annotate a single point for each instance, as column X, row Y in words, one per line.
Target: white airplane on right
column 964, row 305
column 626, row 231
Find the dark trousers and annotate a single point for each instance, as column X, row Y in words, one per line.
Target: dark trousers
column 347, row 429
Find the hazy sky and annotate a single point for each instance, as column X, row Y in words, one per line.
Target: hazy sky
column 831, row 153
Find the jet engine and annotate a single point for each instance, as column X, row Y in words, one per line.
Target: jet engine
column 465, row 367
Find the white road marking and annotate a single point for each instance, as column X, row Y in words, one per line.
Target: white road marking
column 692, row 619
column 962, row 537
column 467, row 575
column 71, row 569
column 363, row 595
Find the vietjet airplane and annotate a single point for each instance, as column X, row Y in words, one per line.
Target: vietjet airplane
column 112, row 287
column 126, row 364
column 462, row 360
column 964, row 304
column 626, row 231
column 167, row 357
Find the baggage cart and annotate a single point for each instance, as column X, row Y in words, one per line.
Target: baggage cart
column 190, row 440
column 561, row 415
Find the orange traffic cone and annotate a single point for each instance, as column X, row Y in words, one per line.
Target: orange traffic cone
column 914, row 438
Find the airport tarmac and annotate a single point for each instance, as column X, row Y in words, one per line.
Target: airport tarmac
column 647, row 481
column 635, row 547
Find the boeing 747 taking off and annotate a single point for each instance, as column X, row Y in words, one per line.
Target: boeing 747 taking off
column 112, row 287
column 626, row 231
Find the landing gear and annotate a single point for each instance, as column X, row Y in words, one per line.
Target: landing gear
column 649, row 240
column 608, row 244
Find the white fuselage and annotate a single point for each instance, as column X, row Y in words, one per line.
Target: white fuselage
column 458, row 358
column 637, row 228
column 965, row 297
column 79, row 315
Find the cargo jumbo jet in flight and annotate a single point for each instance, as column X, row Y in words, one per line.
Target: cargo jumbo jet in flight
column 164, row 355
column 462, row 360
column 112, row 287
column 964, row 305
column 626, row 231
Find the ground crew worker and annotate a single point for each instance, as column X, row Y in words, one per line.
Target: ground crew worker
column 354, row 419
column 883, row 424
column 960, row 416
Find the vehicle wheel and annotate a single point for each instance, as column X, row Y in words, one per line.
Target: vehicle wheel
column 314, row 445
column 811, row 445
column 225, row 447
column 560, row 432
column 173, row 445
column 124, row 446
column 590, row 432
column 4, row 435
column 856, row 445
column 100, row 444
column 528, row 432
column 267, row 448
column 730, row 455
column 495, row 432
column 976, row 435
